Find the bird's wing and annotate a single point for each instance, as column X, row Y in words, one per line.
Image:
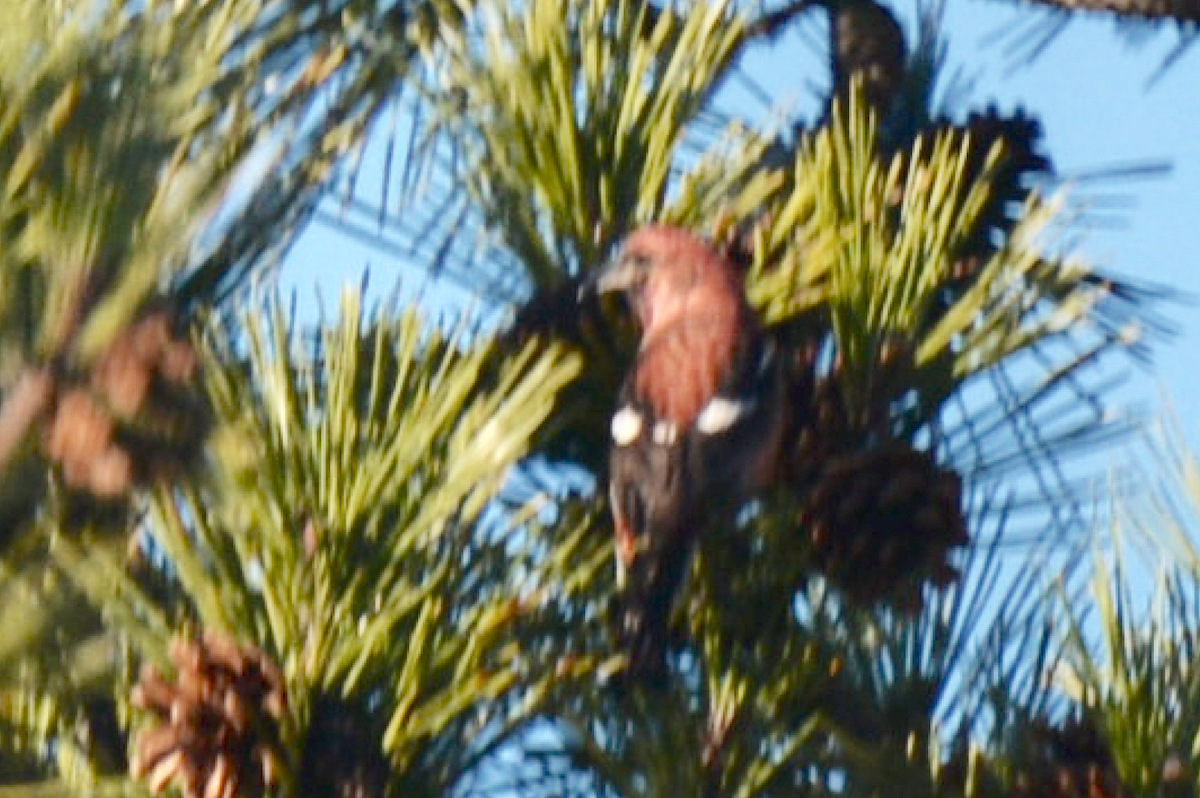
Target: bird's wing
column 689, row 439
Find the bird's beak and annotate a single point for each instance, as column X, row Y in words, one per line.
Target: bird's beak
column 616, row 275
column 619, row 274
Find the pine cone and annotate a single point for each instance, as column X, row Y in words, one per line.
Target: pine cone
column 1178, row 780
column 80, row 437
column 218, row 722
column 146, row 353
column 136, row 417
column 1010, row 180
column 880, row 517
column 882, row 522
column 1069, row 761
column 1019, row 137
column 1009, row 185
column 147, row 378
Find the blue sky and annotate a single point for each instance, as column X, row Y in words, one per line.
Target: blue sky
column 1094, row 95
column 1092, row 91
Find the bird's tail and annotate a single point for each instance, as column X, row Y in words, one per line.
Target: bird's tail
column 645, row 621
column 644, row 631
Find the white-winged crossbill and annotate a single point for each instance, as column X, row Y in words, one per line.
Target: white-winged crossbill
column 698, row 425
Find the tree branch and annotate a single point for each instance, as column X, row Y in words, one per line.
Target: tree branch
column 1181, row 12
column 768, row 26
column 27, row 400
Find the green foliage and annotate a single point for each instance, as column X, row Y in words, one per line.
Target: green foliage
column 776, row 698
column 58, row 667
column 373, row 508
column 158, row 154
column 1133, row 661
column 869, row 244
column 855, row 248
column 122, row 132
column 573, row 119
column 348, row 526
column 343, row 529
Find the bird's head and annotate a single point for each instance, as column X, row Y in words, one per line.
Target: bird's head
column 669, row 274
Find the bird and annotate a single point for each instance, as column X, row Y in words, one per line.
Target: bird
column 698, row 425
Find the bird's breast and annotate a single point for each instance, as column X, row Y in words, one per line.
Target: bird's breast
column 680, row 369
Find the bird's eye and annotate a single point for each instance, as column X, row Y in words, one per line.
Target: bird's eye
column 639, row 261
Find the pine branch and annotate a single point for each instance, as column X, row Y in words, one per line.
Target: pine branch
column 27, row 400
column 347, row 533
column 772, row 24
column 1185, row 13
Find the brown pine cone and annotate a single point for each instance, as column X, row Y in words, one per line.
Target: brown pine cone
column 1072, row 760
column 218, row 722
column 80, row 438
column 146, row 354
column 80, row 430
column 139, row 416
column 882, row 523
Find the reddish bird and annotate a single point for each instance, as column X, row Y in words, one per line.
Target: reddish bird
column 698, row 425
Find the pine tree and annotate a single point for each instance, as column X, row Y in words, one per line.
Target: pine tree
column 247, row 552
